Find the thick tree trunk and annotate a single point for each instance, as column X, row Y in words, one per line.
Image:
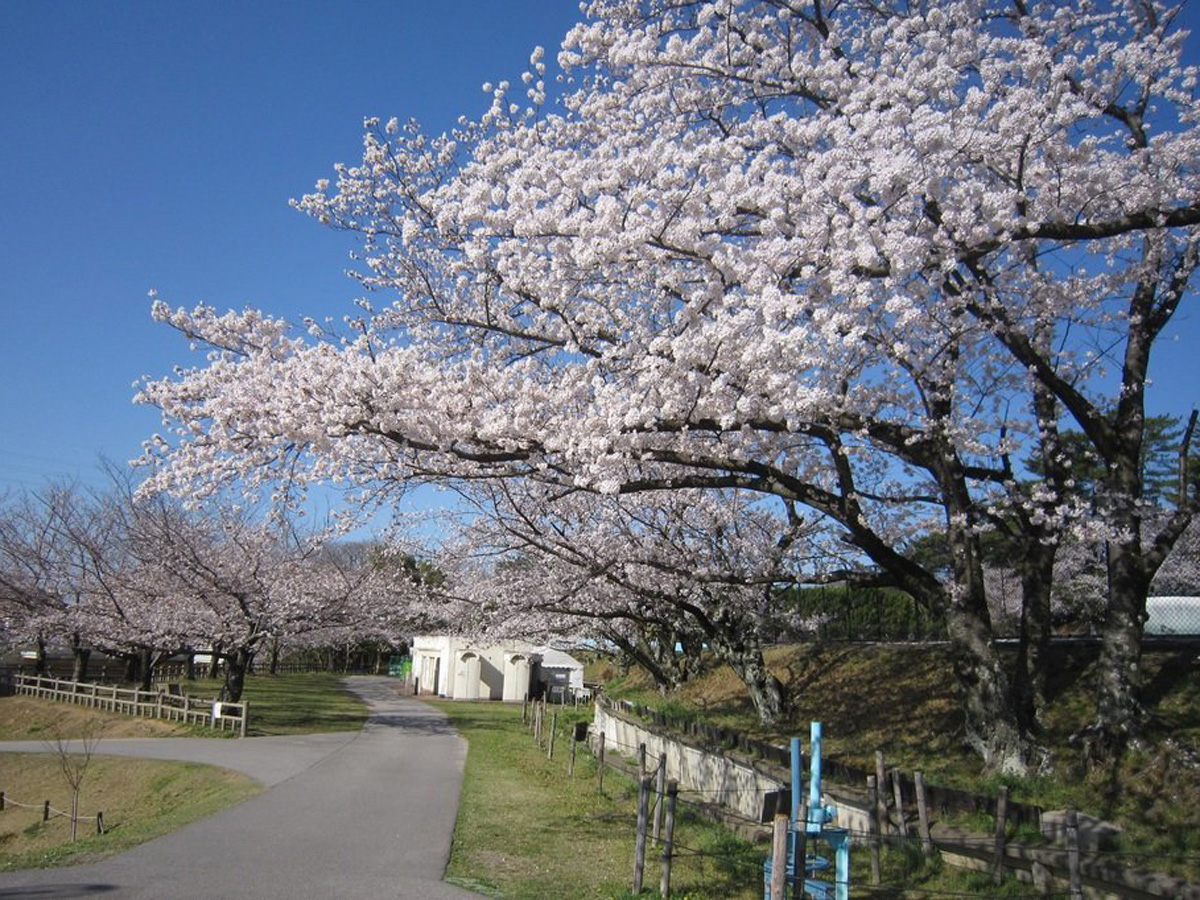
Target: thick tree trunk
column 237, row 664
column 743, row 653
column 1119, row 714
column 189, row 670
column 993, row 727
column 81, row 654
column 1037, row 578
column 273, row 658
column 133, row 667
column 39, row 664
column 214, row 663
column 147, row 670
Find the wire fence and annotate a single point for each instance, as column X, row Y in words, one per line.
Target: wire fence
column 1020, row 855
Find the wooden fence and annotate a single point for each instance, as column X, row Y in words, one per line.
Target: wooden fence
column 169, row 703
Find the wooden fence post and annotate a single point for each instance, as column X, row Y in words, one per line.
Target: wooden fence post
column 99, row 823
column 571, row 761
column 641, row 758
column 923, row 814
column 1, row 801
column 524, row 710
column 660, row 787
column 881, row 793
column 600, row 764
column 245, row 716
column 46, row 811
column 874, row 836
column 779, row 865
column 901, row 824
column 639, row 847
column 664, row 888
column 553, row 732
column 1074, row 884
column 1001, row 835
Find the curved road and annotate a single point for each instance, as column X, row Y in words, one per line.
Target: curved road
column 355, row 815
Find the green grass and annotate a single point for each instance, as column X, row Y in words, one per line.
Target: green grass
column 526, row 830
column 901, row 699
column 282, row 704
column 293, row 704
column 140, row 799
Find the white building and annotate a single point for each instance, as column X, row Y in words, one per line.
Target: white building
column 460, row 669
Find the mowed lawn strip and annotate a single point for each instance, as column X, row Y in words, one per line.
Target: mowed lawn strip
column 280, row 704
column 140, row 799
column 309, row 703
column 526, row 830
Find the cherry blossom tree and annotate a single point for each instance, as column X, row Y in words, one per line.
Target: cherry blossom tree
column 856, row 258
column 652, row 574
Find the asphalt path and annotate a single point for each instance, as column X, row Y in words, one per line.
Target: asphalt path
column 366, row 814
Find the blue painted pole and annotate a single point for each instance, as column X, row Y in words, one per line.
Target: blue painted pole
column 797, row 785
column 797, row 864
column 814, row 779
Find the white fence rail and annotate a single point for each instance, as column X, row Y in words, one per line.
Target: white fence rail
column 162, row 704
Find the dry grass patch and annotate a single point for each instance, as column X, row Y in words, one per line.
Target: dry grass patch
column 33, row 719
column 140, row 799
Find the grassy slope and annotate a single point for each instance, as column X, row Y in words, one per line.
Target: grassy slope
column 140, row 799
column 901, row 700
column 525, row 830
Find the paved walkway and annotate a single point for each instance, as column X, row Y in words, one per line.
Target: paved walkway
column 354, row 815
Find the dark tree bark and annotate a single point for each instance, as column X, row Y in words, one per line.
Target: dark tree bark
column 237, row 665
column 214, row 663
column 80, row 655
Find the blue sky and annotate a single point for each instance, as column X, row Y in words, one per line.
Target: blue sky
column 155, row 145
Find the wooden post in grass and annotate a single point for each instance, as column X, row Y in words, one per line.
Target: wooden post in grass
column 46, row 811
column 874, row 836
column 1, row 801
column 524, row 710
column 1001, row 835
column 779, row 867
column 553, row 732
column 600, row 763
column 245, row 716
column 923, row 814
column 881, row 793
column 660, row 786
column 1074, row 885
column 641, row 758
column 571, row 761
column 99, row 823
column 639, row 847
column 900, row 823
column 664, row 888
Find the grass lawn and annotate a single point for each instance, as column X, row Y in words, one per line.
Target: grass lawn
column 281, row 704
column 293, row 704
column 140, row 799
column 526, row 830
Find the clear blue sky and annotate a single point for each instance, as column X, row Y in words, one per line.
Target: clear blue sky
column 156, row 144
